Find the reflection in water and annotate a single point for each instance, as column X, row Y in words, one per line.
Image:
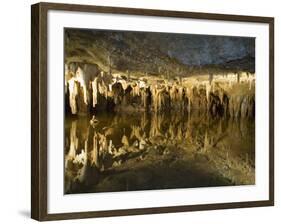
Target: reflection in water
column 143, row 151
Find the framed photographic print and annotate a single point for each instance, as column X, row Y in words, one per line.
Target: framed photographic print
column 138, row 111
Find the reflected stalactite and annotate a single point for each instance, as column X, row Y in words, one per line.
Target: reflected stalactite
column 73, row 143
column 206, row 142
column 95, row 152
column 107, row 147
column 155, row 128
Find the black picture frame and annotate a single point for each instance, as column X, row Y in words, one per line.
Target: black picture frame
column 39, row 108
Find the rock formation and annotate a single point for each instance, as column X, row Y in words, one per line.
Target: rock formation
column 230, row 94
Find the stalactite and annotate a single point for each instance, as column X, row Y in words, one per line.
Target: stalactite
column 124, row 84
column 110, row 92
column 180, row 93
column 81, row 79
column 251, row 80
column 172, row 92
column 221, row 95
column 244, row 106
column 110, row 87
column 208, row 90
column 230, row 84
column 250, row 84
column 67, row 76
column 102, row 88
column 157, row 98
column 135, row 90
column 73, row 92
column 142, row 84
column 189, row 93
column 95, row 92
column 144, row 97
column 154, row 99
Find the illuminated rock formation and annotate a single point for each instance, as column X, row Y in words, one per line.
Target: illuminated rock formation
column 230, row 94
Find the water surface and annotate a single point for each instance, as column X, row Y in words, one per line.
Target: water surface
column 146, row 151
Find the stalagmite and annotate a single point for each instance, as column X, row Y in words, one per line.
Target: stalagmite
column 81, row 158
column 142, row 144
column 125, row 141
column 103, row 146
column 110, row 147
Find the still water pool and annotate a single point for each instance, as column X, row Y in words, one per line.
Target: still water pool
column 146, row 151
